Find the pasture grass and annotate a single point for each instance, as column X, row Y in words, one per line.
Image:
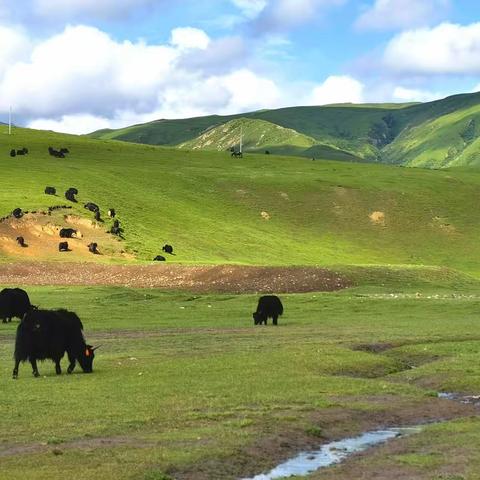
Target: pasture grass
column 209, row 207
column 186, row 383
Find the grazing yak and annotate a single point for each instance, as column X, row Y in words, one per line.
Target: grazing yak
column 68, row 233
column 268, row 306
column 70, row 194
column 111, row 212
column 63, row 247
column 50, row 191
column 97, row 216
column 18, row 213
column 14, row 302
column 92, row 248
column 49, row 334
column 159, row 258
column 116, row 230
column 93, row 207
column 13, row 152
column 56, row 153
column 167, row 249
column 23, row 151
column 21, row 241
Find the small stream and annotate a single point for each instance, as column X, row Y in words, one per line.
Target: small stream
column 335, row 452
column 332, row 453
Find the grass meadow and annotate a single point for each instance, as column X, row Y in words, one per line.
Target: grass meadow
column 186, row 386
column 259, row 210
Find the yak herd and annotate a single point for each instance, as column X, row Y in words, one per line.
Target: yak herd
column 49, row 334
column 70, row 194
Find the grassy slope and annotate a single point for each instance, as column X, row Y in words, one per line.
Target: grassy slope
column 428, row 134
column 259, row 136
column 209, row 206
column 194, row 386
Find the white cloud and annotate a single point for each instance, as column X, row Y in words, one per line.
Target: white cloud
column 393, row 14
column 81, row 79
column 338, row 89
column 445, row 49
column 89, row 8
column 15, row 46
column 189, row 38
column 402, row 94
column 77, row 124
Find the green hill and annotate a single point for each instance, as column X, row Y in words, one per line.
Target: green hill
column 262, row 209
column 434, row 134
column 259, row 136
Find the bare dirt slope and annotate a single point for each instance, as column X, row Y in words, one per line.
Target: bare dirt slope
column 41, row 232
column 218, row 278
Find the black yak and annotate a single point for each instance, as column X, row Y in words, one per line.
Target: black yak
column 64, row 150
column 116, row 231
column 17, row 213
column 92, row 247
column 70, row 194
column 14, row 302
column 97, row 216
column 49, row 334
column 159, row 258
column 111, row 212
column 13, row 152
column 50, row 191
column 93, row 207
column 68, row 233
column 167, row 249
column 268, row 306
column 63, row 247
column 21, row 241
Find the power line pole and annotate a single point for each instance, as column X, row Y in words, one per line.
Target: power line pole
column 241, row 138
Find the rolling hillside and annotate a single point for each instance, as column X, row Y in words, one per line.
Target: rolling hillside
column 435, row 134
column 261, row 210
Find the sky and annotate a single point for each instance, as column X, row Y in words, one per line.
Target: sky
column 81, row 65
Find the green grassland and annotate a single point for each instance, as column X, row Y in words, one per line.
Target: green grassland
column 185, row 383
column 434, row 134
column 209, row 206
column 184, row 386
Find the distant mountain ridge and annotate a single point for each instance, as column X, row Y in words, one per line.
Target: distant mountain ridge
column 436, row 134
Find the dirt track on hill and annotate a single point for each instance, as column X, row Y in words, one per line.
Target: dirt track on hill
column 202, row 279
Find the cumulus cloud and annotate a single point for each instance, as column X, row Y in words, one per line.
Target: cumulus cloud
column 188, row 38
column 338, row 89
column 77, row 124
column 445, row 49
column 81, row 79
column 104, row 9
column 15, row 46
column 399, row 14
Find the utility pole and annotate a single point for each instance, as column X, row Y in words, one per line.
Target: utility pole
column 241, row 138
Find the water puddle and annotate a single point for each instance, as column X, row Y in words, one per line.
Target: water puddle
column 332, row 453
column 459, row 397
column 335, row 452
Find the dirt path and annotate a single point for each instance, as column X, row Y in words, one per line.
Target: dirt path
column 202, row 279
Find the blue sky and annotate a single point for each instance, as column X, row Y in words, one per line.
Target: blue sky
column 79, row 65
